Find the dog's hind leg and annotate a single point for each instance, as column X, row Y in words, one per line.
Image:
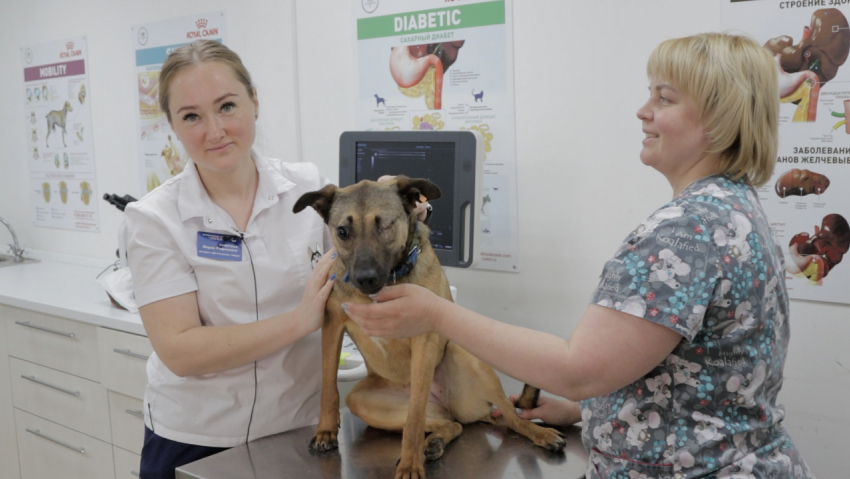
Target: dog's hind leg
column 544, row 437
column 442, row 431
column 384, row 406
column 474, row 388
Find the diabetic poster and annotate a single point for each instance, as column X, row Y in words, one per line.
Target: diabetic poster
column 808, row 199
column 161, row 155
column 437, row 65
column 58, row 125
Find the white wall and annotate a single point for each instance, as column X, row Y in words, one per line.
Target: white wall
column 579, row 79
column 260, row 30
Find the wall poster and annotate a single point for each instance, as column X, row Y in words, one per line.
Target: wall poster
column 161, row 155
column 808, row 199
column 58, row 125
column 433, row 65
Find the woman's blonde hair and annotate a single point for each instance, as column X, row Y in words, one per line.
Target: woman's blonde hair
column 733, row 81
column 196, row 52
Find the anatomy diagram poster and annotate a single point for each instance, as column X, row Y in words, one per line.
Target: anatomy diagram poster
column 58, row 126
column 808, row 199
column 433, row 65
column 161, row 155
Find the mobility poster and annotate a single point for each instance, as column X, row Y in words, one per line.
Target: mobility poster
column 161, row 155
column 808, row 199
column 58, row 129
column 432, row 65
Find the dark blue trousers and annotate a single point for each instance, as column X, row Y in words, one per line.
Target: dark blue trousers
column 161, row 456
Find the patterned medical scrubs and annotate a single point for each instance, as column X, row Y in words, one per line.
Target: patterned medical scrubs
column 706, row 266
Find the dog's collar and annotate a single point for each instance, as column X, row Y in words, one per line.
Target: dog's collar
column 405, row 267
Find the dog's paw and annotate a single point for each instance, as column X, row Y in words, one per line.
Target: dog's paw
column 410, row 470
column 550, row 439
column 324, row 441
column 434, row 449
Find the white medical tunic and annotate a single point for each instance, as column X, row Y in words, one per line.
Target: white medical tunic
column 216, row 409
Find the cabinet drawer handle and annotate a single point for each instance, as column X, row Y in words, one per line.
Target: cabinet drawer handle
column 127, row 352
column 138, row 414
column 81, row 450
column 39, row 381
column 40, row 328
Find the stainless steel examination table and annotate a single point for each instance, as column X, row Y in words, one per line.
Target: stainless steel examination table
column 483, row 451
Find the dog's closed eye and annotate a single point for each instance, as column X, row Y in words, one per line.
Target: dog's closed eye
column 383, row 224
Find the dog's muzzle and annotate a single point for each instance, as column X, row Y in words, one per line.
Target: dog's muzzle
column 367, row 276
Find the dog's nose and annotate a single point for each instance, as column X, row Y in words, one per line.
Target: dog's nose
column 366, row 279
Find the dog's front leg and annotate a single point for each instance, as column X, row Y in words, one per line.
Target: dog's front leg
column 426, row 353
column 325, row 438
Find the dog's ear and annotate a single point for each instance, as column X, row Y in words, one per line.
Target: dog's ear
column 321, row 201
column 411, row 190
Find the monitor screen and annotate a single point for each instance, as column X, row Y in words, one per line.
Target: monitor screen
column 452, row 160
column 434, row 161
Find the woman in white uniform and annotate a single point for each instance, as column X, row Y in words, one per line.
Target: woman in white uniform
column 222, row 274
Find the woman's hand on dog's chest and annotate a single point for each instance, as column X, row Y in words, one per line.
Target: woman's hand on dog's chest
column 398, row 312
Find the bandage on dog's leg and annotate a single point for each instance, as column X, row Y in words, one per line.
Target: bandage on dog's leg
column 528, row 398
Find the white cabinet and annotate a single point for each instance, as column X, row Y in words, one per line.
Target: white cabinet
column 8, row 441
column 60, row 397
column 123, row 359
column 128, row 422
column 72, row 393
column 126, row 464
column 57, row 343
column 50, row 450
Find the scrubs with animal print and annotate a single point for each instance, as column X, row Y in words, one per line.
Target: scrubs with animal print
column 706, row 266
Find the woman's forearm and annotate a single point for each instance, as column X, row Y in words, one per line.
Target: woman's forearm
column 208, row 349
column 189, row 348
column 523, row 354
column 609, row 349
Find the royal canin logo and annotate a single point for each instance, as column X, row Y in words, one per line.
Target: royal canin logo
column 202, row 30
column 69, row 46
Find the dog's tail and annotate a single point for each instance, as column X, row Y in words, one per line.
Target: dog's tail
column 528, row 398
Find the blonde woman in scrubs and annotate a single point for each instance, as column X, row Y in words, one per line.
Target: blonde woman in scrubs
column 676, row 364
column 222, row 274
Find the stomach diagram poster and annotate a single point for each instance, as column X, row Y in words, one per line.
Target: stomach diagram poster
column 808, row 198
column 433, row 65
column 58, row 126
column 161, row 155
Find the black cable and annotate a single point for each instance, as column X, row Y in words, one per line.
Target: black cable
column 257, row 318
column 150, row 415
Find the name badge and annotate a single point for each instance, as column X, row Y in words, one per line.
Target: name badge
column 219, row 246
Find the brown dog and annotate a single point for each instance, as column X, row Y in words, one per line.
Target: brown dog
column 420, row 385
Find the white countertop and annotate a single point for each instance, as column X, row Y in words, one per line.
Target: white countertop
column 66, row 289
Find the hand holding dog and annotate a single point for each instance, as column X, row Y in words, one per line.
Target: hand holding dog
column 554, row 411
column 316, row 292
column 399, row 312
